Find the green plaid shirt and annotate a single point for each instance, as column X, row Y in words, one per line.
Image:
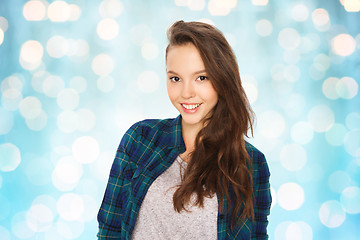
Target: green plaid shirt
column 146, row 150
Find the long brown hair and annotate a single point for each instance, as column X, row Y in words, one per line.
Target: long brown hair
column 220, row 160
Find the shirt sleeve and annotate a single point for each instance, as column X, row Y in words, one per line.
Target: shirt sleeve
column 262, row 200
column 116, row 195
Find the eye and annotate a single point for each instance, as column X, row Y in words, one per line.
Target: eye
column 202, row 78
column 175, row 79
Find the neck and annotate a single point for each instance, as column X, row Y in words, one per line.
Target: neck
column 189, row 133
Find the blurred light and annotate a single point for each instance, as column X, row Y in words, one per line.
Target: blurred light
column 80, row 48
column 289, row 38
column 102, row 165
column 347, row 88
column 271, row 124
column 78, row 83
column 102, row 65
column 59, row 11
column 290, row 196
column 273, row 196
column 107, row 29
column 111, row 8
column 34, row 10
column 293, row 157
column 52, row 85
column 338, row 181
column 329, row 88
column 30, row 107
column 75, row 12
column 321, row 118
column 260, row 2
column 38, row 123
column 181, row 3
column 67, row 173
column 352, row 5
column 90, row 208
column 196, row 5
column 39, row 218
column 39, row 176
column 352, row 142
column 299, row 231
column 6, row 121
column 105, row 83
column 38, row 79
column 31, row 54
column 149, row 50
column 310, row 42
column 70, row 206
column 350, row 199
column 335, row 135
column 148, row 81
column 221, row 7
column 353, row 120
column 10, row 157
column 322, row 62
column 3, row 24
column 68, row 121
column 291, row 56
column 302, row 132
column 68, row 99
column 11, row 99
column 321, row 20
column 85, row 149
column 140, row 33
column 291, row 73
column 87, row 119
column 295, row 105
column 90, row 188
column 19, row 227
column 5, row 234
column 57, row 46
column 1, row 36
column 251, row 92
column 263, row 27
column 300, row 12
column 11, row 82
column 69, row 229
column 343, row 44
column 332, row 214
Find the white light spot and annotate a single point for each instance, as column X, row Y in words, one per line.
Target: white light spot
column 68, row 99
column 75, row 12
column 4, row 24
column 329, row 88
column 263, row 27
column 290, row 196
column 38, row 123
column 271, row 124
column 273, row 197
column 107, row 29
column 19, row 227
column 300, row 12
column 52, row 85
column 57, row 46
column 251, row 91
column 181, row 3
column 343, row 44
column 289, row 38
column 332, row 214
column 12, row 82
column 140, row 33
column 11, row 99
column 350, row 199
column 69, row 229
column 260, row 2
column 34, row 10
column 101, row 167
column 85, row 149
column 352, row 142
column 299, row 231
column 105, row 83
column 148, row 81
column 149, row 50
column 338, row 181
column 336, row 134
column 87, row 120
column 70, row 206
column 68, row 171
column 90, row 208
column 102, row 64
column 10, row 157
column 39, row 218
column 31, row 54
column 293, row 157
column 6, row 121
column 347, row 88
column 111, row 8
column 352, row 5
column 196, row 5
column 221, row 7
column 59, row 11
column 353, row 120
column 67, row 121
column 1, row 36
column 321, row 20
column 30, row 107
column 302, row 132
column 321, row 118
column 322, row 62
column 78, row 83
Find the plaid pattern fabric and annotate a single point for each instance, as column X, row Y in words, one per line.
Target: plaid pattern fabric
column 146, row 150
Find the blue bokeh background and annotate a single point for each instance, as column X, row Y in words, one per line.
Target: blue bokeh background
column 74, row 75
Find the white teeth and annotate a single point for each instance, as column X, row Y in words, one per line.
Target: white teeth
column 192, row 106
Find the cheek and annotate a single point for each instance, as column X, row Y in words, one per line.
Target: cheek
column 171, row 90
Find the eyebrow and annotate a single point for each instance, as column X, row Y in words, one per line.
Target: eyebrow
column 195, row 73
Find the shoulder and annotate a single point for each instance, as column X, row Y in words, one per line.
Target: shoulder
column 152, row 126
column 253, row 151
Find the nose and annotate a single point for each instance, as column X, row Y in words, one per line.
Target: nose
column 188, row 90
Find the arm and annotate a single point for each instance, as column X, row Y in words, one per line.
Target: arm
column 110, row 216
column 262, row 199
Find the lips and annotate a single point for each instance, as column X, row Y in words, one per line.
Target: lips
column 190, row 107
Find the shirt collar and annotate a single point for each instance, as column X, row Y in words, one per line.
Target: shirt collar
column 174, row 135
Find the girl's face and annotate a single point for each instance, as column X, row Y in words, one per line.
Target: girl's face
column 188, row 85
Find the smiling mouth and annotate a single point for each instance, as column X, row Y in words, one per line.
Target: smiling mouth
column 190, row 106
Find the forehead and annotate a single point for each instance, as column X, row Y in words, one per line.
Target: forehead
column 185, row 56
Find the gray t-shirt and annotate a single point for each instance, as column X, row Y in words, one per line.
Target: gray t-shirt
column 157, row 218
